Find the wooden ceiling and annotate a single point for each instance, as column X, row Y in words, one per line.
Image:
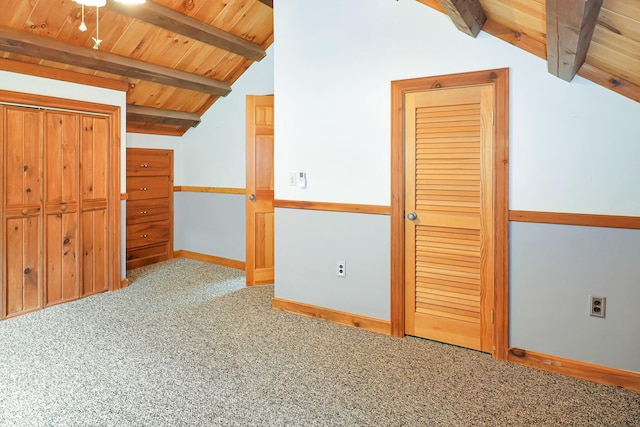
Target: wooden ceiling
column 608, row 31
column 175, row 58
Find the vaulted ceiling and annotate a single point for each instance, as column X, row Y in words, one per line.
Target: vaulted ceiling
column 175, row 58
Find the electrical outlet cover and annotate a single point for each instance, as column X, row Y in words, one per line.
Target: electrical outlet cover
column 341, row 269
column 597, row 306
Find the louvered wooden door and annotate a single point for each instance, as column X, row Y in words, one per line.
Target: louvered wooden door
column 21, row 130
column 448, row 206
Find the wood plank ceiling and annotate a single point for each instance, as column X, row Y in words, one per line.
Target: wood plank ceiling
column 560, row 31
column 172, row 75
column 175, row 58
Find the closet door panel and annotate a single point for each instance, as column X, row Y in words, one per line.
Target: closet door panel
column 22, row 279
column 61, row 153
column 94, row 166
column 94, row 254
column 94, row 192
column 23, row 166
column 62, row 258
column 61, row 207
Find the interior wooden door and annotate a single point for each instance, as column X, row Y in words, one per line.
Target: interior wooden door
column 94, row 191
column 449, row 215
column 21, row 132
column 62, row 207
column 259, row 185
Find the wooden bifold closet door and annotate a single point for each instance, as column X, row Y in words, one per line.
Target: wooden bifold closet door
column 55, row 196
column 21, row 188
column 61, row 207
column 94, row 202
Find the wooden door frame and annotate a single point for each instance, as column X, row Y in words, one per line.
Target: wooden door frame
column 499, row 78
column 113, row 112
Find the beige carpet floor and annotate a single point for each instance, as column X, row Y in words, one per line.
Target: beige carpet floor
column 187, row 345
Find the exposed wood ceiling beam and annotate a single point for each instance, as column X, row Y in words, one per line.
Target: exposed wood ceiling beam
column 63, row 75
column 267, row 2
column 570, row 25
column 467, row 15
column 28, row 44
column 169, row 19
column 137, row 113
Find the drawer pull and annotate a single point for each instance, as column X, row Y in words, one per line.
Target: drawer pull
column 144, row 212
column 144, row 165
column 63, row 208
column 24, row 211
column 144, row 236
column 143, row 188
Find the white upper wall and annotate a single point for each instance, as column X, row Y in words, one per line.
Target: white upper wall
column 573, row 147
column 59, row 89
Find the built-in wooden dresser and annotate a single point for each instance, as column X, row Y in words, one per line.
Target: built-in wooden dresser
column 149, row 206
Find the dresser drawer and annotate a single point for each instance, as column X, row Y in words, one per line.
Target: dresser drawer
column 152, row 187
column 146, row 162
column 148, row 210
column 139, row 235
column 148, row 255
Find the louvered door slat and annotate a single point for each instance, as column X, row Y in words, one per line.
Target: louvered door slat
column 457, row 316
column 461, row 282
column 452, row 302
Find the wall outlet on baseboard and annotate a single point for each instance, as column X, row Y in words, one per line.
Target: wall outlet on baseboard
column 598, row 306
column 341, row 269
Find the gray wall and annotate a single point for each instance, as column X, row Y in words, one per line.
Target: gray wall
column 210, row 223
column 308, row 244
column 554, row 269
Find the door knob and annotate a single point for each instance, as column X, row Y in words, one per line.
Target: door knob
column 412, row 216
column 252, row 197
column 63, row 208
